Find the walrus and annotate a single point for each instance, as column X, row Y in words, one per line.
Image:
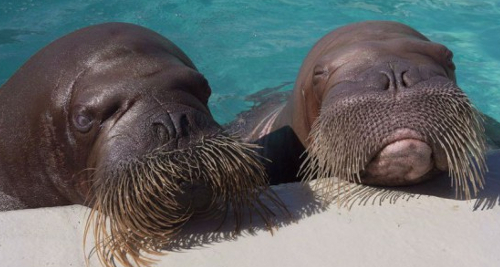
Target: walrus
column 115, row 117
column 374, row 103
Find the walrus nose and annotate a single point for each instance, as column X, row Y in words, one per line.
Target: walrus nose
column 179, row 129
column 400, row 76
column 169, row 127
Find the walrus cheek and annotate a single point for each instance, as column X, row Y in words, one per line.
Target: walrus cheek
column 402, row 162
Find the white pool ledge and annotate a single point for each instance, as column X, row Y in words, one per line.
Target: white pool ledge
column 383, row 229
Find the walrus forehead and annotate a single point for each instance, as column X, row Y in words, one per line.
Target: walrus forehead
column 164, row 86
column 132, row 64
column 358, row 57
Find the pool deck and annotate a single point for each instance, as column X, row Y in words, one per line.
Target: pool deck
column 376, row 228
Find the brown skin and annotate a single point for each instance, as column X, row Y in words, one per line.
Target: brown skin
column 345, row 53
column 367, row 58
column 95, row 97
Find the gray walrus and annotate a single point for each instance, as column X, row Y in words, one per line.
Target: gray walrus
column 115, row 117
column 374, row 102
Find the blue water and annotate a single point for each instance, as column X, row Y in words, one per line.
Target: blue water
column 245, row 46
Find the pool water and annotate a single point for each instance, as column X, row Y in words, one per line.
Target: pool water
column 245, row 46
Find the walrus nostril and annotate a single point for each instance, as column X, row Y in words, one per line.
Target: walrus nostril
column 181, row 123
column 160, row 132
column 404, row 79
column 162, row 128
column 387, row 81
column 399, row 75
column 184, row 125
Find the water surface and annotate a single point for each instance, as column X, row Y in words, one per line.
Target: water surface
column 245, row 46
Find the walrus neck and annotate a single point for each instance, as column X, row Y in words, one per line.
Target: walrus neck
column 295, row 115
column 32, row 185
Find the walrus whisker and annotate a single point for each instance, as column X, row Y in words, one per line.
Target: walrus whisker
column 136, row 210
column 334, row 151
column 358, row 194
column 469, row 174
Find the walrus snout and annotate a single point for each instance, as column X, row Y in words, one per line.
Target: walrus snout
column 399, row 137
column 180, row 129
column 405, row 159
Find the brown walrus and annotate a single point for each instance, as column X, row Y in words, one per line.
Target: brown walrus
column 115, row 117
column 375, row 103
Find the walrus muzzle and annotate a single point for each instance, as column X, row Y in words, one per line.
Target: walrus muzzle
column 139, row 205
column 398, row 137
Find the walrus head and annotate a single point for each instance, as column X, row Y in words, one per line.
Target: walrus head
column 115, row 117
column 158, row 158
column 389, row 111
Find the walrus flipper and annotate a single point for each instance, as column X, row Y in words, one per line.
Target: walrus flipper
column 264, row 102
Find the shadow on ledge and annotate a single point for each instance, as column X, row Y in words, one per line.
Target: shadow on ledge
column 303, row 200
column 299, row 199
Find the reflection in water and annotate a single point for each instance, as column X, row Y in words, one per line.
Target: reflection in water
column 9, row 36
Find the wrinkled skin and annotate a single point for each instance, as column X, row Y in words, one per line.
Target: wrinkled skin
column 378, row 74
column 95, row 97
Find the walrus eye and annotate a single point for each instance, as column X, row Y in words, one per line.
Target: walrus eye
column 320, row 71
column 82, row 122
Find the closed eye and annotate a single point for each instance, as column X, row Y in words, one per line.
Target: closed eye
column 320, row 71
